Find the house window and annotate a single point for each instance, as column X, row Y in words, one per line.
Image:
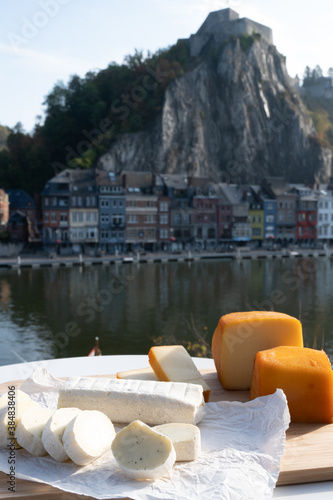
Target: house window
column 177, row 219
column 104, row 203
column 53, row 217
column 164, row 233
column 150, row 203
column 269, row 206
column 121, row 203
column 164, row 219
column 270, row 218
column 281, row 216
column 80, row 217
column 149, row 219
column 46, row 202
column 79, row 201
column 301, row 217
column 88, row 216
column 132, row 219
column 163, row 206
column 105, row 218
column 63, row 217
column 150, row 233
column 46, row 216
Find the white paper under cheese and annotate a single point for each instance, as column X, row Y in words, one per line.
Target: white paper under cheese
column 30, row 429
column 143, row 453
column 54, row 430
column 87, row 436
column 185, row 438
column 126, row 400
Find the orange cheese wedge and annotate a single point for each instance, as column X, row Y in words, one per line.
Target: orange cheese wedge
column 305, row 376
column 239, row 336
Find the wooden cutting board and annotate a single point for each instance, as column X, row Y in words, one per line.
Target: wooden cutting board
column 308, row 455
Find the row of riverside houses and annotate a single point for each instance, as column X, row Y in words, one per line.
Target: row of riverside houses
column 90, row 210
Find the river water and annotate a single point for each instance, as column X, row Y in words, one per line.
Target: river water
column 57, row 312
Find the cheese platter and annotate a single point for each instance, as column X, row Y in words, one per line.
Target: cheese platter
column 307, row 458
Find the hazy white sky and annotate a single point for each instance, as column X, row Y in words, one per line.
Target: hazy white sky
column 44, row 41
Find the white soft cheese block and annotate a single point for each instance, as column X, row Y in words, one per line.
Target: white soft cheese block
column 139, row 374
column 30, row 429
column 10, row 416
column 88, row 436
column 185, row 438
column 126, row 400
column 173, row 363
column 54, row 430
column 143, row 453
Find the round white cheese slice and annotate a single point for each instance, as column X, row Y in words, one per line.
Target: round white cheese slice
column 54, row 430
column 185, row 438
column 143, row 453
column 13, row 397
column 87, row 436
column 30, row 429
column 10, row 416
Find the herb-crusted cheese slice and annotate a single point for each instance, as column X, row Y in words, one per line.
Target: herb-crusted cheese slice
column 143, row 453
column 126, row 400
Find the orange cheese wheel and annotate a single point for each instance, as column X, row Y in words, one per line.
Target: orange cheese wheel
column 239, row 336
column 305, row 376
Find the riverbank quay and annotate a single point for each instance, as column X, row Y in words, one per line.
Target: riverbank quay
column 242, row 253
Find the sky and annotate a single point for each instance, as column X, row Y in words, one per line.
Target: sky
column 43, row 42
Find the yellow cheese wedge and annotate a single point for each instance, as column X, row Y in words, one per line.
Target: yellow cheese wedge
column 139, row 374
column 172, row 363
column 239, row 336
column 305, row 376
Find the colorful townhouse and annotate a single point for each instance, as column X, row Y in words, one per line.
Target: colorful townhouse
column 237, row 199
column 285, row 209
column 256, row 214
column 112, row 212
column 325, row 214
column 180, row 193
column 306, row 218
column 28, row 214
column 83, row 212
column 224, row 216
column 55, row 204
column 205, row 220
column 141, row 211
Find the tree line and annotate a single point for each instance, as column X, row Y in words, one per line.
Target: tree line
column 84, row 116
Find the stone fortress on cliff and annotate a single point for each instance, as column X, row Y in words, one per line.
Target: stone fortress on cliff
column 221, row 25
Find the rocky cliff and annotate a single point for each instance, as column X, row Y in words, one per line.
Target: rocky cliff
column 234, row 116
